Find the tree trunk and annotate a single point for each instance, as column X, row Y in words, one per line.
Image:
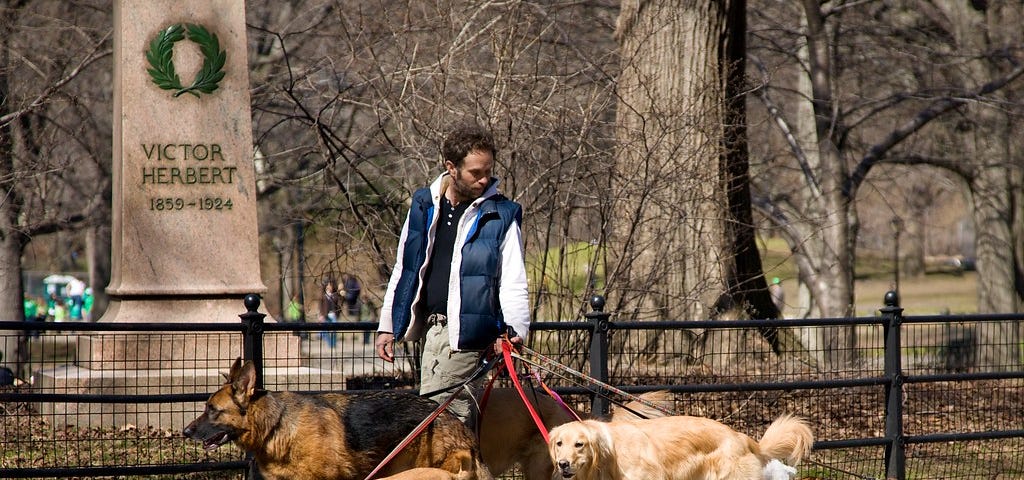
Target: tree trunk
column 684, row 245
column 12, row 239
column 12, row 342
column 827, row 265
column 669, row 254
column 98, row 252
column 990, row 187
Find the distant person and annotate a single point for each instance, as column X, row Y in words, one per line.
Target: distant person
column 353, row 304
column 352, row 292
column 778, row 295
column 76, row 297
column 330, row 306
column 60, row 313
column 31, row 314
column 87, row 301
column 52, row 301
column 296, row 313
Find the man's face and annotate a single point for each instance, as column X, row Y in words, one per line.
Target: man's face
column 470, row 181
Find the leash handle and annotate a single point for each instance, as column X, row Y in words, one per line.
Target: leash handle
column 506, row 351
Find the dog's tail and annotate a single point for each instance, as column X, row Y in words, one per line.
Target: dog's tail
column 787, row 438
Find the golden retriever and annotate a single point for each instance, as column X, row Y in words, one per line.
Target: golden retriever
column 509, row 437
column 672, row 448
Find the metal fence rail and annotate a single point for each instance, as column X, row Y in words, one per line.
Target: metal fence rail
column 900, row 397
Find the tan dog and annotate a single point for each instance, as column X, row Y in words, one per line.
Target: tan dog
column 509, row 436
column 331, row 436
column 673, row 448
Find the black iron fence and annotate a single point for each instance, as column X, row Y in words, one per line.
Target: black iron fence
column 888, row 396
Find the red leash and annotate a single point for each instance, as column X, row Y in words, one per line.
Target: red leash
column 412, row 435
column 506, row 352
column 430, row 418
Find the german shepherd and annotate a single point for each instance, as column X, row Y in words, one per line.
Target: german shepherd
column 333, row 436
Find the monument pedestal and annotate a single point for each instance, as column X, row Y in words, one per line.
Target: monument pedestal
column 184, row 233
column 171, row 416
column 178, row 309
column 142, row 350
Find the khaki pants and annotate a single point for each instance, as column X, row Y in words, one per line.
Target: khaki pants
column 441, row 368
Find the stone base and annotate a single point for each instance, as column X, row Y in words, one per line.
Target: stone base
column 156, row 350
column 175, row 309
column 164, row 415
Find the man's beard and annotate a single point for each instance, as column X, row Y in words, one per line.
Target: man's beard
column 464, row 192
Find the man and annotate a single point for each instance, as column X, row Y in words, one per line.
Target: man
column 330, row 305
column 459, row 282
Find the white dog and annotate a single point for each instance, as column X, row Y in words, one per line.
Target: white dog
column 675, row 448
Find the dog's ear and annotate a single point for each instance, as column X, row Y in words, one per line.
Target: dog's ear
column 243, row 381
column 601, row 444
column 235, row 369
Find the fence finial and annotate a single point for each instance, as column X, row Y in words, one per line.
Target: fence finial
column 597, row 303
column 892, row 299
column 252, row 302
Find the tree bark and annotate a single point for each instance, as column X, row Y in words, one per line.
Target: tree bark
column 12, row 238
column 669, row 254
column 683, row 244
column 992, row 197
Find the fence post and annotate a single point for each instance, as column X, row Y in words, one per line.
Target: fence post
column 598, row 351
column 252, row 336
column 895, row 452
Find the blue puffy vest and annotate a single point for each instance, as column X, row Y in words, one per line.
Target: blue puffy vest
column 481, row 320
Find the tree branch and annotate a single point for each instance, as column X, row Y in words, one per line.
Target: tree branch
column 45, row 95
column 878, row 151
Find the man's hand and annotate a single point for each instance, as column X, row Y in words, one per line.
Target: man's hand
column 385, row 345
column 515, row 341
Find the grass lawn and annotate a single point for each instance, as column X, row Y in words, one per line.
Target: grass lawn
column 931, row 293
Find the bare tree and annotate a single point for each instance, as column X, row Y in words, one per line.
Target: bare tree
column 868, row 107
column 350, row 106
column 54, row 155
column 682, row 233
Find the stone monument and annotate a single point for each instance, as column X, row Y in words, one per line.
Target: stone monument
column 185, row 244
column 184, row 233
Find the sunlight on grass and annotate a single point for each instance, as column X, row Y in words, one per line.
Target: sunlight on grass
column 567, row 272
column 558, row 270
column 932, row 293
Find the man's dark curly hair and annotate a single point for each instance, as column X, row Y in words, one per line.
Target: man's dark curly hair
column 464, row 139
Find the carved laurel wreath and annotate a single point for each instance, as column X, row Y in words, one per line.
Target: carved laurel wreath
column 161, row 51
